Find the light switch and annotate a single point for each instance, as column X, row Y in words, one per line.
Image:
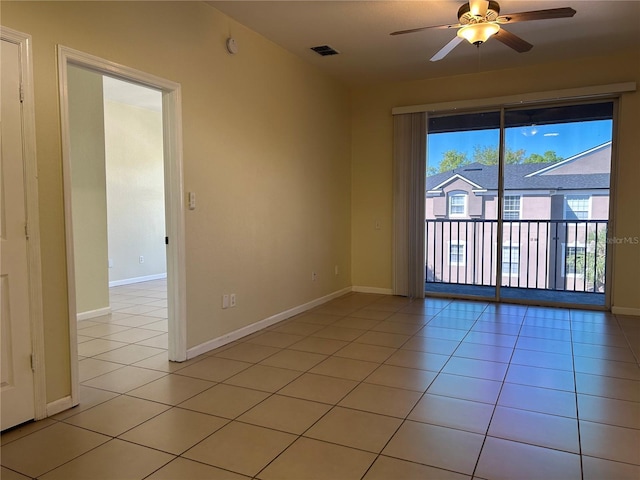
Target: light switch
column 192, row 201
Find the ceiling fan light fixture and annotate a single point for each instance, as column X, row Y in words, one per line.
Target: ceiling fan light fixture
column 477, row 33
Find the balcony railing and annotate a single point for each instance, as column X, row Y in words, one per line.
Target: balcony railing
column 559, row 255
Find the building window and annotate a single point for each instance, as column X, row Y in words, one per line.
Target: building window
column 576, row 207
column 511, row 209
column 457, row 251
column 511, row 260
column 575, row 260
column 457, row 205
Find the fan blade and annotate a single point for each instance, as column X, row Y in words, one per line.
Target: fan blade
column 478, row 8
column 444, row 51
column 513, row 41
column 413, row 30
column 537, row 15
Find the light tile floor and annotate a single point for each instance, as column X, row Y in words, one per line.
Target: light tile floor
column 364, row 387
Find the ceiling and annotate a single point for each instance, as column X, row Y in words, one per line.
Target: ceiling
column 360, row 29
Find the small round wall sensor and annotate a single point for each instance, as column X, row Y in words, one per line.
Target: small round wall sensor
column 232, row 46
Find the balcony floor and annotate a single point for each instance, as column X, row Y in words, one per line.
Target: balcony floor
column 528, row 295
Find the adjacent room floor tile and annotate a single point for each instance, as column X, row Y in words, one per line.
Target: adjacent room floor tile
column 128, row 354
column 97, row 346
column 90, row 368
column 124, row 379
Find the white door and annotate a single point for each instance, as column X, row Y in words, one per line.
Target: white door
column 17, row 385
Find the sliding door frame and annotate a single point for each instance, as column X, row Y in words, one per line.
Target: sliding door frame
column 598, row 97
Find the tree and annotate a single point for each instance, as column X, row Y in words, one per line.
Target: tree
column 451, row 159
column 489, row 155
column 591, row 261
column 549, row 157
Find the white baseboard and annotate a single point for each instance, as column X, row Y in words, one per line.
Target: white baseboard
column 93, row 313
column 633, row 312
column 259, row 325
column 380, row 291
column 60, row 405
column 129, row 281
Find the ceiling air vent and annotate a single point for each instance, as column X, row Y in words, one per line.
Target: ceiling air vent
column 325, row 50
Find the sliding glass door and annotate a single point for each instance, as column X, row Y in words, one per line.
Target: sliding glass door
column 526, row 219
column 556, row 203
column 461, row 217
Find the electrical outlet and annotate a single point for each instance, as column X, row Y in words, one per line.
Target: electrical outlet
column 111, row 263
column 335, row 270
column 378, row 225
column 232, row 300
column 141, row 259
column 225, row 301
column 314, row 276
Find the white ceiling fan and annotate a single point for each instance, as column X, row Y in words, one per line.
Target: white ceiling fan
column 480, row 20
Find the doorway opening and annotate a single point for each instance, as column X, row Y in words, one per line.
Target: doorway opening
column 135, row 187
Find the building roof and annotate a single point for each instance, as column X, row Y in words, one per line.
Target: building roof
column 534, row 176
column 486, row 176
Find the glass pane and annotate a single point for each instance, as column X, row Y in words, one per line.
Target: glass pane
column 558, row 163
column 461, row 216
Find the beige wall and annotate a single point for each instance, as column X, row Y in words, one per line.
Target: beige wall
column 135, row 191
column 372, row 154
column 266, row 149
column 89, row 197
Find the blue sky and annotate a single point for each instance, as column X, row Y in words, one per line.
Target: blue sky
column 566, row 139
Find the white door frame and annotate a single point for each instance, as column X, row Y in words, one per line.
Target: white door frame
column 174, row 195
column 33, row 223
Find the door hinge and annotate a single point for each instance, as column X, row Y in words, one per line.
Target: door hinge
column 33, row 366
column 26, row 230
column 166, row 240
column 21, row 93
